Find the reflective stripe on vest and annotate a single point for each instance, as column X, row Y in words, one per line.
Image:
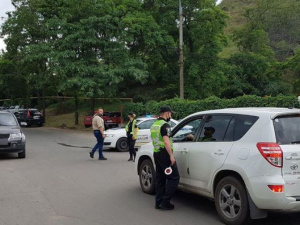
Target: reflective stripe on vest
column 157, row 139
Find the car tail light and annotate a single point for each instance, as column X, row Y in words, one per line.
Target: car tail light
column 276, row 188
column 271, row 152
column 28, row 113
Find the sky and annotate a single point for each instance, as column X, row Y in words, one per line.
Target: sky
column 5, row 5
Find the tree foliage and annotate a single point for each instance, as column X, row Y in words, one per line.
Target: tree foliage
column 129, row 48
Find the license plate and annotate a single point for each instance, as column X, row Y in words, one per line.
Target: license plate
column 36, row 117
column 109, row 121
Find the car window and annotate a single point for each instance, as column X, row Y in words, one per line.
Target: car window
column 287, row 129
column 214, row 128
column 172, row 124
column 146, row 124
column 7, row 119
column 229, row 136
column 115, row 114
column 106, row 114
column 187, row 131
column 243, row 123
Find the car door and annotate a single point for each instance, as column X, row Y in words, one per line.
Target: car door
column 144, row 135
column 183, row 141
column 210, row 150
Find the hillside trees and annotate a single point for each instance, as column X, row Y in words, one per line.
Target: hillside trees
column 258, row 67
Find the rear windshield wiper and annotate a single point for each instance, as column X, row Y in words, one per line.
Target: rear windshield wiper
column 295, row 142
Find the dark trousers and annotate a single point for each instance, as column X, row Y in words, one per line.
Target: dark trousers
column 166, row 185
column 99, row 145
column 131, row 144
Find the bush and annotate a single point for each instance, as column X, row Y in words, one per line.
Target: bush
column 184, row 108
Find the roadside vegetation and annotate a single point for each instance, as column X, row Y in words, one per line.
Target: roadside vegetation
column 129, row 49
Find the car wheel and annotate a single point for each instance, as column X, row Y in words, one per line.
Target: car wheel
column 40, row 124
column 231, row 201
column 87, row 126
column 122, row 145
column 22, row 154
column 28, row 124
column 147, row 176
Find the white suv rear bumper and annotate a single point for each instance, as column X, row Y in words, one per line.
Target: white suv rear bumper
column 264, row 198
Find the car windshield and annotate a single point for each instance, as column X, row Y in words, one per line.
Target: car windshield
column 287, row 129
column 6, row 119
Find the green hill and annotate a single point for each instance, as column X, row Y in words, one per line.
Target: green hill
column 280, row 19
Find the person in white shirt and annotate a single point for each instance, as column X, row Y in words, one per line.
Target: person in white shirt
column 98, row 128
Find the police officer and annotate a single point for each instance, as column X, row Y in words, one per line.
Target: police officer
column 132, row 132
column 165, row 185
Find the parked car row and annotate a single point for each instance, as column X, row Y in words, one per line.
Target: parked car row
column 29, row 117
column 247, row 160
column 26, row 117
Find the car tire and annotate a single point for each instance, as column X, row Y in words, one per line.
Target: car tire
column 232, row 202
column 41, row 124
column 22, row 155
column 147, row 176
column 87, row 126
column 122, row 145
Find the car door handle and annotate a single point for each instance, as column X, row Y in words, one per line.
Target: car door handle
column 219, row 152
column 185, row 151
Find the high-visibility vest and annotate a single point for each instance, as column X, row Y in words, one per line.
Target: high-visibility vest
column 157, row 139
column 135, row 134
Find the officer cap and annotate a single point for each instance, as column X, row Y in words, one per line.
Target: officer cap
column 166, row 108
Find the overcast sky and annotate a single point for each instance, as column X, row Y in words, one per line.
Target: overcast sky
column 5, row 5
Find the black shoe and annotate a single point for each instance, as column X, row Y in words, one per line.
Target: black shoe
column 92, row 155
column 167, row 206
column 157, row 205
column 130, row 159
column 102, row 158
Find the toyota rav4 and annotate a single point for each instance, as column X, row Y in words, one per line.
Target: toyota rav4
column 247, row 160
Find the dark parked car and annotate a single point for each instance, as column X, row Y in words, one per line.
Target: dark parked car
column 30, row 117
column 12, row 138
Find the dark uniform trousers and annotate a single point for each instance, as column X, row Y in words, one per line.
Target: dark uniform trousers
column 131, row 144
column 166, row 185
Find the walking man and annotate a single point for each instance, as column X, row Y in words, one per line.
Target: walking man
column 166, row 185
column 98, row 128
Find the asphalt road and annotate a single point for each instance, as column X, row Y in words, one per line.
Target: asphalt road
column 58, row 184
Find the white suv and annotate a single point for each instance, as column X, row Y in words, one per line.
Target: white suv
column 246, row 159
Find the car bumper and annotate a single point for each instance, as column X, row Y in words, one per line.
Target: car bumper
column 264, row 198
column 12, row 148
column 109, row 143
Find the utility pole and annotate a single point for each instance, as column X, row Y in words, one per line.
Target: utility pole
column 181, row 62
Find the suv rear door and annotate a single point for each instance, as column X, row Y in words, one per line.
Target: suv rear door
column 287, row 131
